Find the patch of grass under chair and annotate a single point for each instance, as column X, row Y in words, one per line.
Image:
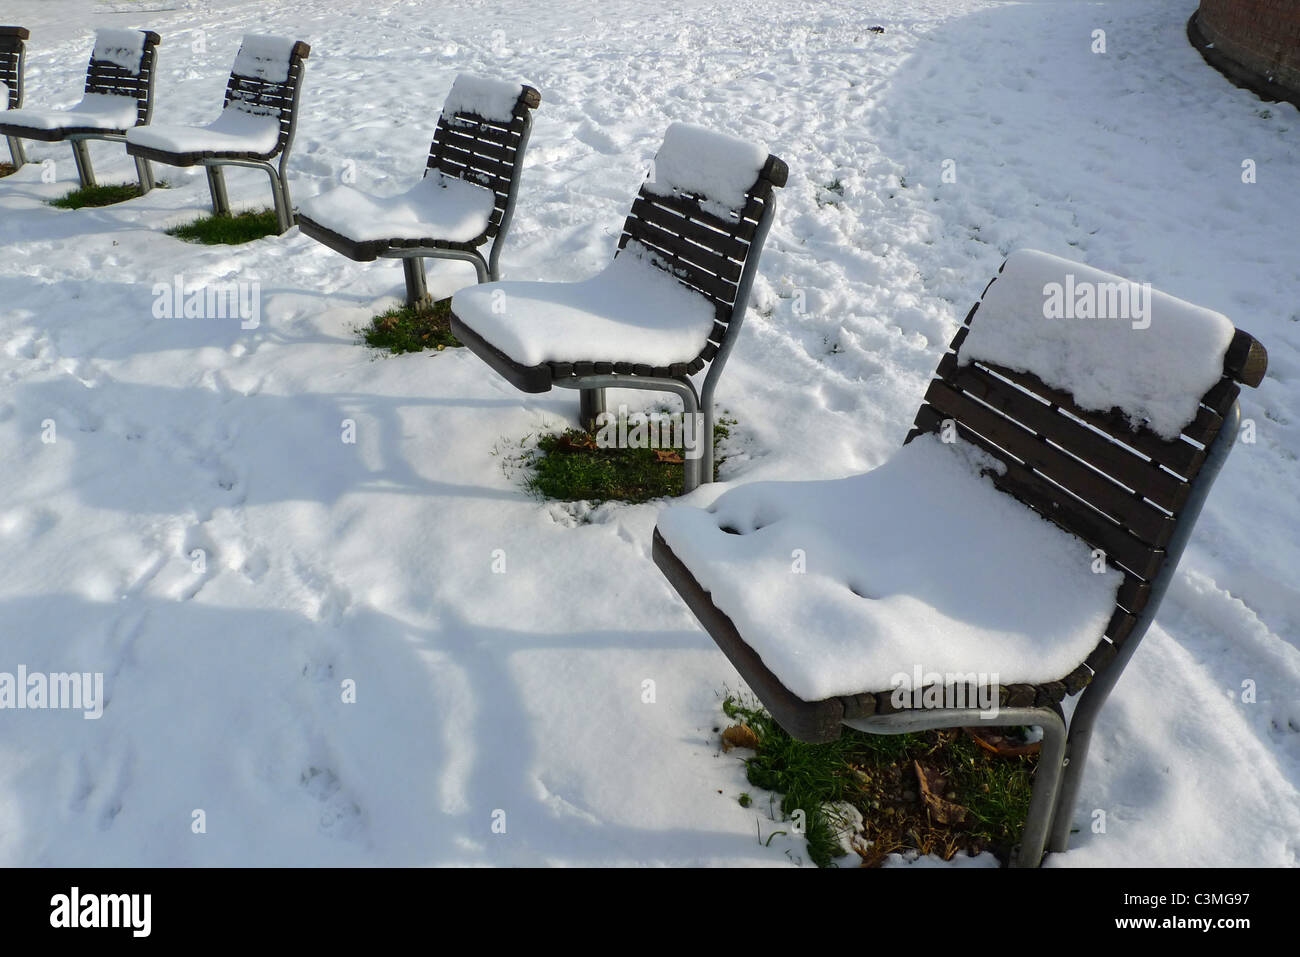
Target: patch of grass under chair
column 978, row 801
column 412, row 329
column 570, row 466
column 7, row 169
column 230, row 230
column 95, row 196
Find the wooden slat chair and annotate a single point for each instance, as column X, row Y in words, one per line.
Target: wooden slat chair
column 13, row 54
column 257, row 124
column 670, row 305
column 1131, row 494
column 465, row 200
column 118, row 96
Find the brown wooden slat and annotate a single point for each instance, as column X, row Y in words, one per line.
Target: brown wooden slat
column 1146, row 522
column 714, row 288
column 725, row 244
column 1119, row 545
column 1246, row 360
column 655, row 235
column 1160, row 486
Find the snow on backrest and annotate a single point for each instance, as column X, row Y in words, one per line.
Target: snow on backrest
column 1107, row 341
column 489, row 99
column 123, row 48
column 719, row 169
column 264, row 58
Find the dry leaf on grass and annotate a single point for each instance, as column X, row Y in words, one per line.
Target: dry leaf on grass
column 739, row 736
column 941, row 809
column 994, row 742
column 669, row 456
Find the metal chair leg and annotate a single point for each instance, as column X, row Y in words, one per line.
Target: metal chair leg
column 85, row 169
column 417, row 290
column 144, row 172
column 16, row 151
column 1043, row 800
column 591, row 404
column 283, row 215
column 217, row 188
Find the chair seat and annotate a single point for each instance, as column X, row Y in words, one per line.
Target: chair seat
column 234, row 133
column 919, row 564
column 96, row 113
column 439, row 210
column 631, row 313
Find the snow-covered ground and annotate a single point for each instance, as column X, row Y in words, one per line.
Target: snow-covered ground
column 522, row 692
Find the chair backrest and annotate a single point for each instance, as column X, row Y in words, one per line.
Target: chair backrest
column 698, row 213
column 267, row 80
column 481, row 135
column 1121, row 489
column 12, row 53
column 122, row 64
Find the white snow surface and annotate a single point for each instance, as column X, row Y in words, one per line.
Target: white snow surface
column 841, row 585
column 631, row 311
column 522, row 691
column 265, row 57
column 1145, row 352
column 485, row 97
column 95, row 111
column 122, row 48
column 234, row 131
column 438, row 207
column 4, row 96
column 707, row 163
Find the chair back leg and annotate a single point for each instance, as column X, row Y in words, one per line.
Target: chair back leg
column 144, row 171
column 591, row 405
column 417, row 289
column 16, row 151
column 217, row 189
column 85, row 169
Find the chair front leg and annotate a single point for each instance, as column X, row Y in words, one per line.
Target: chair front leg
column 144, row 171
column 417, row 289
column 217, row 189
column 16, row 151
column 85, row 169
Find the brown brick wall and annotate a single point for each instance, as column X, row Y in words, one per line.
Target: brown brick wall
column 1261, row 35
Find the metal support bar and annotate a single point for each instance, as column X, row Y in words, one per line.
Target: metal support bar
column 508, row 212
column 144, row 172
column 1047, row 778
column 16, row 151
column 217, row 188
column 85, row 169
column 1094, row 696
column 591, row 403
column 417, row 290
column 683, row 388
column 434, row 252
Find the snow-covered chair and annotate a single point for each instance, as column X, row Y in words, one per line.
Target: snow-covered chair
column 465, row 199
column 257, row 123
column 118, row 96
column 937, row 574
column 13, row 52
column 669, row 305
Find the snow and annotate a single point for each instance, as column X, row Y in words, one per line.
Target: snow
column 484, row 97
column 438, row 207
column 96, row 111
column 264, row 57
column 122, row 48
column 1155, row 361
column 4, row 95
column 234, row 131
column 841, row 585
column 631, row 311
column 523, row 691
column 701, row 162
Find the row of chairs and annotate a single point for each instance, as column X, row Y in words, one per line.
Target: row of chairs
column 255, row 128
column 670, row 305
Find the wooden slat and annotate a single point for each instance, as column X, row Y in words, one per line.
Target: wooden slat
column 1119, row 545
column 654, row 234
column 1147, row 523
column 724, row 243
column 1121, row 462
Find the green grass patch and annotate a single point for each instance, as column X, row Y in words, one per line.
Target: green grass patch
column 411, row 329
column 878, row 775
column 228, row 230
column 95, row 196
column 570, row 466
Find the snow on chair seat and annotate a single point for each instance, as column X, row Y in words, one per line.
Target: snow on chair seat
column 13, row 52
column 465, row 199
column 670, row 304
column 257, row 124
column 1021, row 540
column 118, row 96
